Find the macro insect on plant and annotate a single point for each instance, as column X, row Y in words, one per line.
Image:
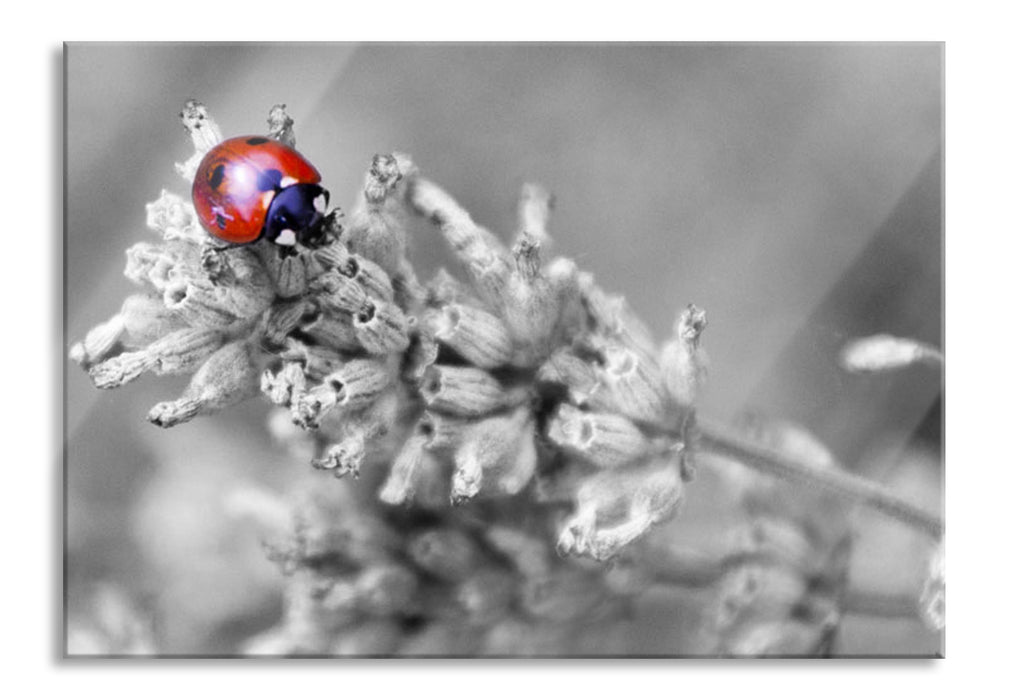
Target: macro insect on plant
column 514, row 439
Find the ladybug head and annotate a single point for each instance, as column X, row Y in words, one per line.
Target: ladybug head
column 297, row 214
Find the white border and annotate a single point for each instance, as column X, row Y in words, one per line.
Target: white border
column 976, row 273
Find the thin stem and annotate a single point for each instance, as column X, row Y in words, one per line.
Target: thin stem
column 843, row 484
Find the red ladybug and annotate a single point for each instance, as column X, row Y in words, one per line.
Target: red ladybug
column 252, row 187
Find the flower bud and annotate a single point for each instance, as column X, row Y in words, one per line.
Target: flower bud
column 281, row 319
column 381, row 328
column 604, row 439
column 442, row 432
column 285, row 386
column 489, row 447
column 575, row 375
column 478, row 336
column 203, row 131
column 684, row 363
column 176, row 353
column 882, row 353
column 345, row 457
column 353, row 386
column 175, row 218
column 333, row 330
column 612, row 316
column 421, row 353
column 629, row 384
column 375, row 229
column 461, row 391
column 415, row 474
column 227, row 377
column 280, row 126
column 100, row 342
column 757, row 591
column 338, row 294
column 535, row 204
column 372, row 278
column 615, row 508
column 146, row 319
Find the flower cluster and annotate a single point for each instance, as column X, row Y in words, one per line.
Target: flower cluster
column 780, row 593
column 529, row 374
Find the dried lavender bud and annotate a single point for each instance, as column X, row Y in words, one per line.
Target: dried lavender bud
column 441, row 431
column 280, row 126
column 373, row 279
column 338, row 294
column 229, row 376
column 488, row 447
column 282, row 318
column 381, row 328
column 99, row 343
column 612, row 316
column 415, row 473
column 178, row 352
column 881, row 353
column 605, row 439
column 420, row 354
column 355, row 385
column 474, row 245
column 288, row 267
column 175, row 218
column 757, row 591
column 684, row 363
column 204, row 132
column 444, row 289
column 630, row 384
column 535, row 204
column 615, row 508
column 375, row 230
column 532, row 305
column 345, row 457
column 478, row 336
column 146, row 319
column 576, row 375
column 332, row 330
column 461, row 391
column 286, row 386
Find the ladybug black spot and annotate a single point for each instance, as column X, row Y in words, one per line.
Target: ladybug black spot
column 269, row 180
column 256, row 141
column 217, row 176
column 220, row 222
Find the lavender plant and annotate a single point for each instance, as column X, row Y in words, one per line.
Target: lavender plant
column 511, row 439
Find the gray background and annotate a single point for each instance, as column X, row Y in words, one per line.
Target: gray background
column 793, row 191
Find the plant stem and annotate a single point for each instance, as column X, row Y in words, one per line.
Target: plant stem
column 842, row 483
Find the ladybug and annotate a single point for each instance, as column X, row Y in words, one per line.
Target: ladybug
column 253, row 187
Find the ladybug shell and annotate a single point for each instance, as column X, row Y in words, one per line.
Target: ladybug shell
column 237, row 180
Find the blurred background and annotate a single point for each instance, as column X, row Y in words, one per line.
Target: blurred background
column 793, row 191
